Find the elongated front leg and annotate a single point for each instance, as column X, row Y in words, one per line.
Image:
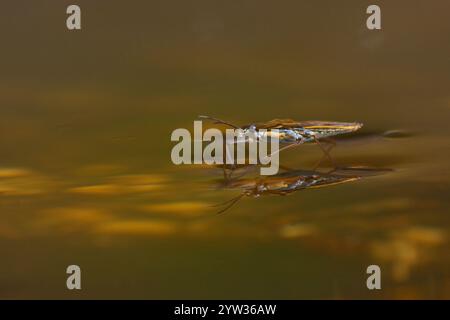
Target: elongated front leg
column 291, row 145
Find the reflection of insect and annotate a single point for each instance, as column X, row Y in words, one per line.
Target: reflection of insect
column 294, row 133
column 294, row 180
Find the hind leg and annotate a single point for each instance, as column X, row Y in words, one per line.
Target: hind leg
column 326, row 152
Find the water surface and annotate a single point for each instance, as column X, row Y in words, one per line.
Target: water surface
column 85, row 170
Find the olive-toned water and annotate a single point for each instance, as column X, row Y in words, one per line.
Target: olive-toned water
column 86, row 176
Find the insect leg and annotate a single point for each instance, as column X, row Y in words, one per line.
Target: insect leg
column 225, row 175
column 219, row 121
column 294, row 144
column 287, row 169
column 326, row 153
column 246, row 170
column 323, row 157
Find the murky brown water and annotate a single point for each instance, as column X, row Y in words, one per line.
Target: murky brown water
column 85, row 170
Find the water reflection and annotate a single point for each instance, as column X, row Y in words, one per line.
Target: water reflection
column 123, row 184
column 291, row 181
column 24, row 182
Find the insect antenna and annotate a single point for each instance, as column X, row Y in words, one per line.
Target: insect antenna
column 218, row 121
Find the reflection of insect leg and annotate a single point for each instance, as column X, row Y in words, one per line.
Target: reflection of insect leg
column 287, row 169
column 229, row 176
column 225, row 175
column 326, row 152
column 219, row 121
column 230, row 203
column 246, row 170
column 227, row 160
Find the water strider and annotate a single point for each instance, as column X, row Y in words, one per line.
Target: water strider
column 291, row 131
column 294, row 133
column 294, row 180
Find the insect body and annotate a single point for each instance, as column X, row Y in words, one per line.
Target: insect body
column 291, row 131
column 294, row 133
